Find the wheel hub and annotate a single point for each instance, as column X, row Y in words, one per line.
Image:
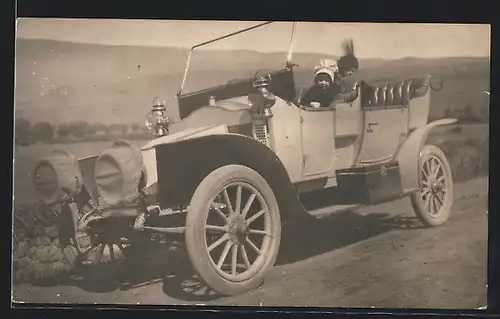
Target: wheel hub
column 238, row 229
column 435, row 188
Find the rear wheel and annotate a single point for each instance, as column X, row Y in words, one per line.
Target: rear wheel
column 433, row 203
column 233, row 229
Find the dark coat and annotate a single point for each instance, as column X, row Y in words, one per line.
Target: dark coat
column 341, row 89
column 318, row 94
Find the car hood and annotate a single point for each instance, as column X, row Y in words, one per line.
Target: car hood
column 186, row 134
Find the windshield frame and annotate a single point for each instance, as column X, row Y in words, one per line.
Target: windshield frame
column 188, row 62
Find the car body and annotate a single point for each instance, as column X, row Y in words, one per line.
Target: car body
column 293, row 161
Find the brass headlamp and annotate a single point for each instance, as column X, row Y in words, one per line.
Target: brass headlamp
column 264, row 100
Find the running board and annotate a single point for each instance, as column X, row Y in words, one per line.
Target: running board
column 408, row 191
column 330, row 210
column 334, row 209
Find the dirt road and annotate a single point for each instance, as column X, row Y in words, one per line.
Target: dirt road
column 376, row 257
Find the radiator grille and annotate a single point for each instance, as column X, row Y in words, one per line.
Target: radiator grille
column 260, row 133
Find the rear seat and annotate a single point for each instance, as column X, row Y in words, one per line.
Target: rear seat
column 394, row 93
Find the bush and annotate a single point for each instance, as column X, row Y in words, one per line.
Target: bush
column 457, row 129
column 23, row 132
column 43, row 132
column 79, row 129
column 469, row 113
column 468, row 159
column 63, row 130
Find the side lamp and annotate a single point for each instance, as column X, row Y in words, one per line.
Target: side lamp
column 157, row 121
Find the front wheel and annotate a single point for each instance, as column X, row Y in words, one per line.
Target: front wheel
column 233, row 229
column 433, row 203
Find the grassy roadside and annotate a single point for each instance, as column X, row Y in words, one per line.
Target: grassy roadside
column 466, row 147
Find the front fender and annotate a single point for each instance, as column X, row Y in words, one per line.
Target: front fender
column 184, row 164
column 408, row 154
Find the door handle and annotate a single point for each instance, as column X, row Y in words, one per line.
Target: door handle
column 370, row 129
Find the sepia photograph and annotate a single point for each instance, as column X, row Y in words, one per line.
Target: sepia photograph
column 251, row 163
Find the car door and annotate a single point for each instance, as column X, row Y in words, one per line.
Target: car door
column 318, row 145
column 385, row 127
column 348, row 128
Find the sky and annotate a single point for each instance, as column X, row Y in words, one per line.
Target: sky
column 372, row 40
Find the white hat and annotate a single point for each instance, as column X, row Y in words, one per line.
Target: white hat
column 327, row 66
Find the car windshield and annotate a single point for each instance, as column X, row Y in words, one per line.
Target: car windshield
column 238, row 56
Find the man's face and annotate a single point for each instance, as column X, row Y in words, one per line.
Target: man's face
column 323, row 80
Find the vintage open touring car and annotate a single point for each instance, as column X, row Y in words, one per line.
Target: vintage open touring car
column 226, row 188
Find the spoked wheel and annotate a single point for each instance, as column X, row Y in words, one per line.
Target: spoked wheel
column 433, row 203
column 102, row 262
column 105, row 253
column 233, row 229
column 109, row 250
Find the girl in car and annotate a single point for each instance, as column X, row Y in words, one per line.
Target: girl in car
column 321, row 94
column 347, row 65
column 333, row 79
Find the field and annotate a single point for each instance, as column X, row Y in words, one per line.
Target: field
column 61, row 82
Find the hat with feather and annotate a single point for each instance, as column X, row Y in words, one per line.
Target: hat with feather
column 348, row 61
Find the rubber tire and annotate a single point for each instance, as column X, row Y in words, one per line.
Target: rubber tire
column 416, row 201
column 196, row 220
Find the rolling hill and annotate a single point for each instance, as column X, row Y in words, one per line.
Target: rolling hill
column 62, row 81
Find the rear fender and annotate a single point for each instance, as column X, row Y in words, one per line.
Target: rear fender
column 408, row 154
column 183, row 165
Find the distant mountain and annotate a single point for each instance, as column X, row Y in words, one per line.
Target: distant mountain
column 62, row 81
